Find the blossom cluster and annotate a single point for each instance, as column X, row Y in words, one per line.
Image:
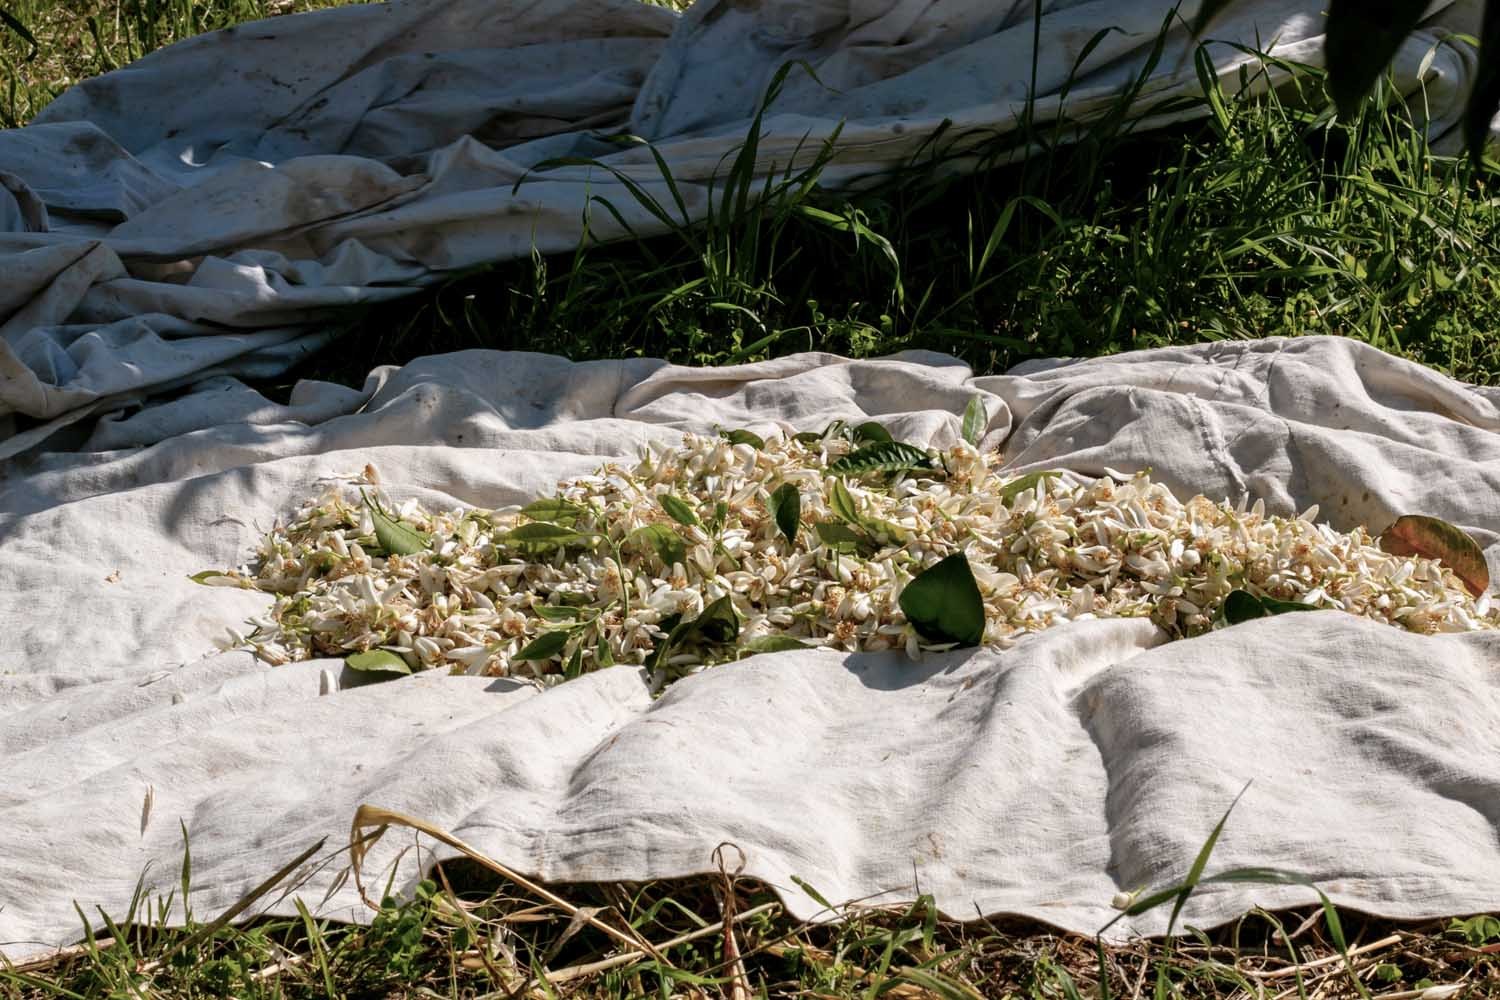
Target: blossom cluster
column 620, row 564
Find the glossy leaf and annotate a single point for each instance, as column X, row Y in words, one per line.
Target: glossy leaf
column 943, row 603
column 841, row 538
column 545, row 646
column 786, row 509
column 377, row 661
column 1416, row 535
column 884, row 532
column 556, row 612
column 395, row 537
column 543, row 534
column 678, row 510
column 841, row 502
column 743, row 436
column 719, row 622
column 889, row 456
column 975, row 421
column 553, row 511
column 1020, row 485
column 1243, row 606
column 665, row 542
column 872, row 432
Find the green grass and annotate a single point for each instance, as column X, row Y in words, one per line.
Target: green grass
column 1263, row 218
column 77, row 39
column 468, row 933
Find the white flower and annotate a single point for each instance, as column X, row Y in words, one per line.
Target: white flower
column 1065, row 549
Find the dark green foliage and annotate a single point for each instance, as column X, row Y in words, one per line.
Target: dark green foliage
column 1263, row 219
column 1362, row 38
column 943, row 603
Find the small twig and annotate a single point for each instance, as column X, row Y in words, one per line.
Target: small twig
column 1302, row 928
column 739, row 981
column 1430, row 993
column 1300, row 988
column 277, row 967
column 1292, row 970
column 571, row 972
column 59, row 956
column 368, row 816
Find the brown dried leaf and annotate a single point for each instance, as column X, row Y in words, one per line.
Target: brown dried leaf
column 1418, row 535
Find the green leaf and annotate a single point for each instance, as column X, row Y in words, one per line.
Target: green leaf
column 669, row 624
column 813, row 894
column 553, row 510
column 836, row 428
column 975, row 421
column 667, row 543
column 744, row 437
column 786, row 508
column 1201, row 861
column 841, row 538
column 545, row 646
column 872, row 432
column 1417, row 535
column 395, row 537
column 377, row 661
column 943, row 603
column 539, row 535
column 540, row 531
column 556, row 613
column 841, row 502
column 678, row 510
column 884, row 532
column 1243, row 606
column 604, row 654
column 888, row 456
column 575, row 663
column 1478, row 930
column 1021, row 484
column 1361, row 38
column 719, row 623
column 773, row 644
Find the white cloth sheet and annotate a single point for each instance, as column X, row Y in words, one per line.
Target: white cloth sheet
column 1041, row 781
column 217, row 207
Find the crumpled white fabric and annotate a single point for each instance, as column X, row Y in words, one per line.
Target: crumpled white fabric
column 1090, row 760
column 211, row 209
